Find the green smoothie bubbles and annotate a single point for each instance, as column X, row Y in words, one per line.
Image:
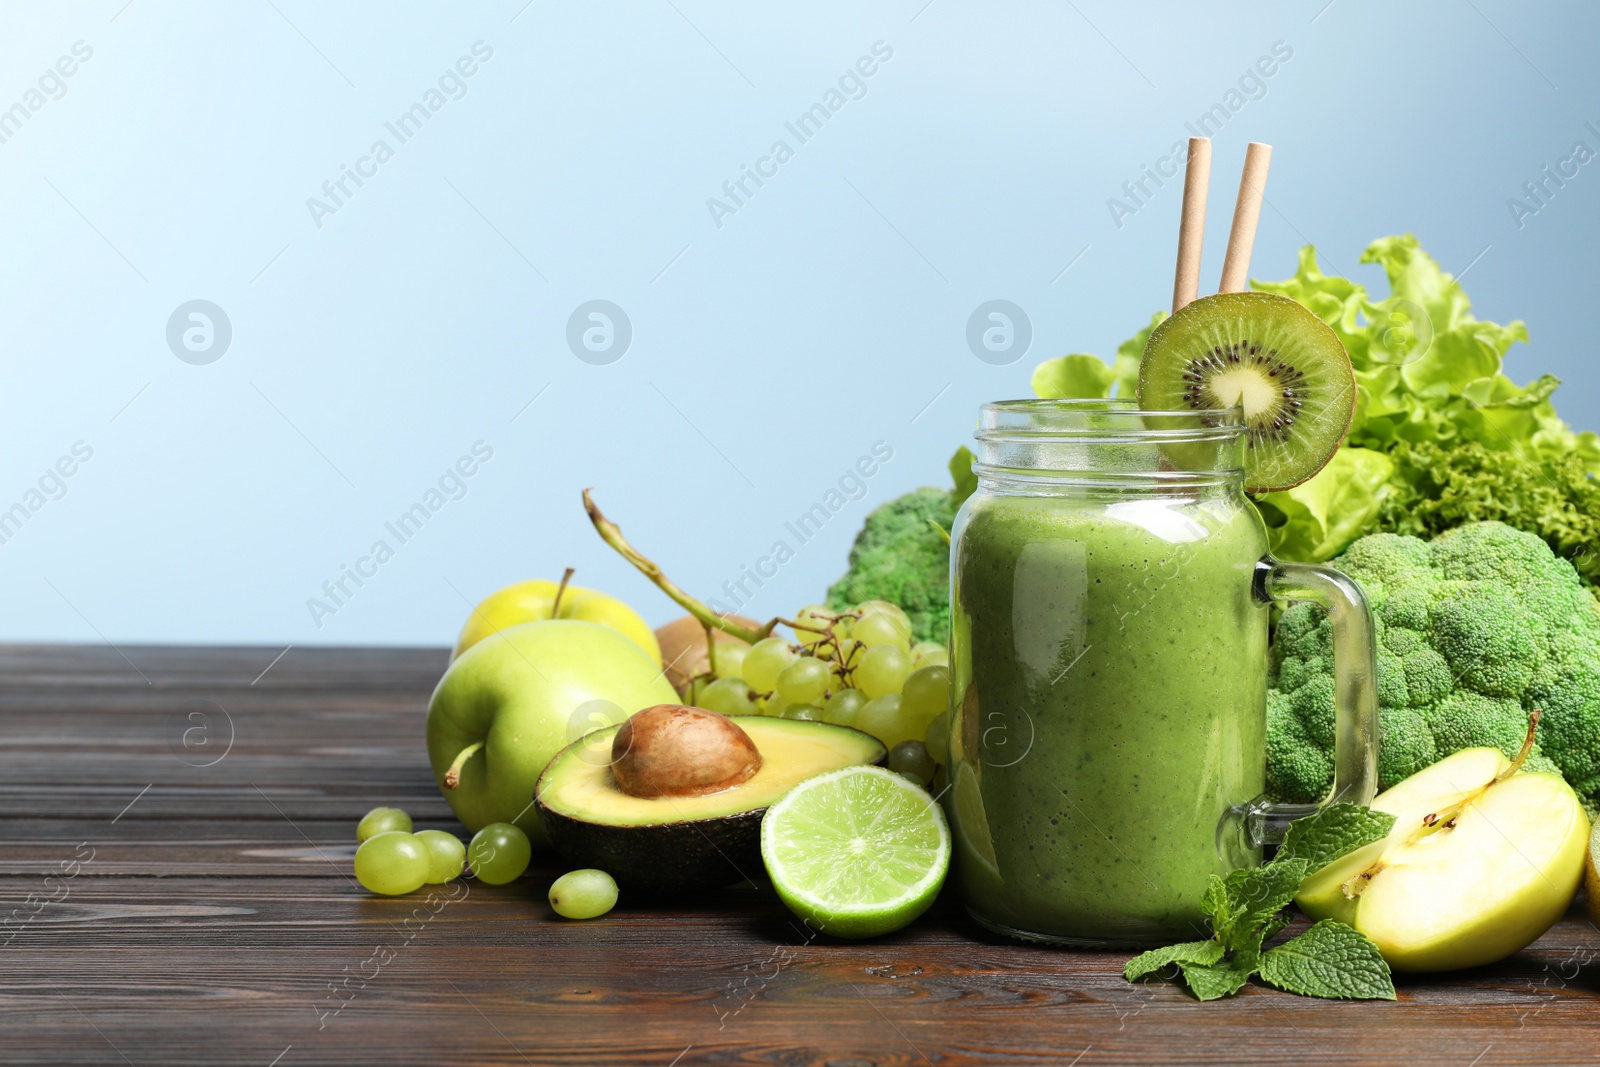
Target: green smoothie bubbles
column 1110, row 601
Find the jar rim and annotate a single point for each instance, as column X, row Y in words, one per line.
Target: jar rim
column 1104, row 420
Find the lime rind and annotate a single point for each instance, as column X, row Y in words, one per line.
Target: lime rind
column 859, row 851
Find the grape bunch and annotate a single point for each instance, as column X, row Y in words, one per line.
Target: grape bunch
column 854, row 668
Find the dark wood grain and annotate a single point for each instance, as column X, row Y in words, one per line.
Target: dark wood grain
column 217, row 922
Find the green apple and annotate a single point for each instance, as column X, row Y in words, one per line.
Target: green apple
column 537, row 600
column 1478, row 865
column 514, row 699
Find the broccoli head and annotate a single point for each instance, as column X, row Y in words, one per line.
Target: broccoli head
column 1474, row 630
column 898, row 556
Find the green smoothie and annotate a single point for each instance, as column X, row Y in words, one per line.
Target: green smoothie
column 1110, row 663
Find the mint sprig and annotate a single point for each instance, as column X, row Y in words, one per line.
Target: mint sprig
column 1245, row 909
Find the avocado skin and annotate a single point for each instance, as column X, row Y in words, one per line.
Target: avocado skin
column 667, row 857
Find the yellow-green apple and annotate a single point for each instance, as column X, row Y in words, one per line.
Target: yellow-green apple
column 514, row 699
column 1479, row 864
column 537, row 600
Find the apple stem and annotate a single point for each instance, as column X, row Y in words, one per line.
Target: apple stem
column 555, row 605
column 611, row 534
column 452, row 777
column 1527, row 747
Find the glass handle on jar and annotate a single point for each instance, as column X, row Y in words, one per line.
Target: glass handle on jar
column 1355, row 688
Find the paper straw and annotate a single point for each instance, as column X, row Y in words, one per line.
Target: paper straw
column 1246, row 213
column 1192, row 227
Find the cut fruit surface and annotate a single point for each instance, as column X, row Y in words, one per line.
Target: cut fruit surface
column 1476, row 867
column 858, row 852
column 1269, row 355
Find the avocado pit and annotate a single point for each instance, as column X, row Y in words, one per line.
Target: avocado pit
column 671, row 750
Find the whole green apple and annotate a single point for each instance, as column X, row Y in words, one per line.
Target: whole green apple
column 512, row 701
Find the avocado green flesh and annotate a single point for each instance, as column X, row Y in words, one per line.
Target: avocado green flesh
column 581, row 787
column 674, row 844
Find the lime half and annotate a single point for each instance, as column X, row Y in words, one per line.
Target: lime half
column 856, row 852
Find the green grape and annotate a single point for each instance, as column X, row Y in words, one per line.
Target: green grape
column 446, row 855
column 820, row 621
column 728, row 696
column 868, row 608
column 803, row 712
column 937, row 738
column 499, row 853
column 843, row 707
column 926, row 692
column 937, row 658
column 922, row 648
column 730, row 659
column 382, row 821
column 765, row 661
column 911, row 759
column 880, row 629
column 805, row 681
column 847, row 654
column 585, row 894
column 880, row 717
column 392, row 863
column 883, row 670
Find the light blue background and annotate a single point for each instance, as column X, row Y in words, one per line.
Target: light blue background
column 768, row 354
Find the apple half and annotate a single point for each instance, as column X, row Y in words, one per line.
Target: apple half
column 1479, row 864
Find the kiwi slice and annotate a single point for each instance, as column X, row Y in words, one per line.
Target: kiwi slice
column 1271, row 355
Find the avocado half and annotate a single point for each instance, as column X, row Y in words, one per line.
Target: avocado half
column 672, row 844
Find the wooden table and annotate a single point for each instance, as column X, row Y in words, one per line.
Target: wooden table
column 184, row 829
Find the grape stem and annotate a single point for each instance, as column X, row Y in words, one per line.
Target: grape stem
column 611, row 534
column 452, row 777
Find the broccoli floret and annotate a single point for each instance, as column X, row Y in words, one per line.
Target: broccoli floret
column 1476, row 629
column 898, row 556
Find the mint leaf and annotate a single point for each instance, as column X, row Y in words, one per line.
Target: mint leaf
column 1332, row 832
column 1239, row 903
column 1212, row 981
column 1146, row 963
column 1329, row 960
